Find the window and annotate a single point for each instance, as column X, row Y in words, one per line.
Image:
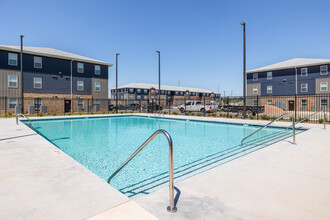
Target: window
column 255, row 90
column 304, row 72
column 12, row 59
column 97, row 86
column 324, row 104
column 304, row 105
column 324, row 86
column 38, row 62
column 81, row 103
column 176, row 93
column 152, row 91
column 269, row 75
column 176, row 98
column 255, row 102
column 269, row 102
column 145, row 97
column 37, row 103
column 324, row 70
column 152, row 97
column 131, row 97
column 80, row 85
column 138, row 97
column 169, row 92
column 138, row 90
column 12, row 81
column 97, row 70
column 304, row 87
column 37, row 82
column 131, row 90
column 269, row 89
column 198, row 103
column 145, row 91
column 194, row 93
column 12, row 102
column 181, row 93
column 187, row 93
column 162, row 92
column 157, row 92
column 255, row 76
column 80, row 67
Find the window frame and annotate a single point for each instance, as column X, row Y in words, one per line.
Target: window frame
column 326, row 83
column 83, row 68
column 34, row 62
column 326, row 73
column 255, row 78
column 270, row 89
column 9, row 86
column 83, row 85
column 11, row 103
column 34, row 82
column 95, row 90
column 270, row 77
column 95, row 70
column 301, row 87
column 255, row 90
column 269, row 102
column 16, row 59
column 301, row 72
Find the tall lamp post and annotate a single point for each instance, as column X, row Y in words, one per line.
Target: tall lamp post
column 117, row 54
column 158, row 78
column 21, row 64
column 244, row 72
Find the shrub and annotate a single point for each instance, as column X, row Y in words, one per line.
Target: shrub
column 264, row 117
column 54, row 113
column 40, row 114
column 230, row 116
column 236, row 115
column 200, row 114
column 251, row 116
column 321, row 120
column 9, row 114
column 174, row 113
column 165, row 112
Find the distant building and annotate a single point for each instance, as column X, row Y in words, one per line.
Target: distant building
column 297, row 76
column 50, row 77
column 140, row 92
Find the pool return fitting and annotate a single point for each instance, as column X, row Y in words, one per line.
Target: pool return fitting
column 171, row 208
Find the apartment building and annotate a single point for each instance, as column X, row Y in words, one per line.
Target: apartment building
column 53, row 79
column 174, row 95
column 295, row 77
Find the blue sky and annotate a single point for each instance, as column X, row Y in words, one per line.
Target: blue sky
column 200, row 41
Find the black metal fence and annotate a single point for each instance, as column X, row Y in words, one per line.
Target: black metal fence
column 258, row 107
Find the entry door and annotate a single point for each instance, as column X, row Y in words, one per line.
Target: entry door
column 291, row 105
column 67, row 105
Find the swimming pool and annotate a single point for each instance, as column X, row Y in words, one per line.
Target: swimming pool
column 102, row 144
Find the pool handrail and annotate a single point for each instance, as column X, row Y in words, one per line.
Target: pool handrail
column 265, row 126
column 171, row 208
column 304, row 119
column 20, row 114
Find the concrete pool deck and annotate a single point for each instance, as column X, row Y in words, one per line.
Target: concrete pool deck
column 281, row 181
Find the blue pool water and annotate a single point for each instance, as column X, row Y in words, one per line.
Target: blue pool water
column 103, row 144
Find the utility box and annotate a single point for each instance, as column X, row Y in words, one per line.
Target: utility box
column 31, row 109
column 43, row 109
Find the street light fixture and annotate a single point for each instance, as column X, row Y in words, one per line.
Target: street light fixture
column 244, row 72
column 117, row 54
column 21, row 64
column 158, row 78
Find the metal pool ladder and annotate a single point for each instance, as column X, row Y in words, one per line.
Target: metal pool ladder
column 24, row 117
column 304, row 119
column 172, row 207
column 281, row 116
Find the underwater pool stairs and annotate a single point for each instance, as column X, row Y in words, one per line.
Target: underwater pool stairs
column 148, row 185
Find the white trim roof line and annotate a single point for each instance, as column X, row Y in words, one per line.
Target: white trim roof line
column 50, row 52
column 164, row 87
column 292, row 63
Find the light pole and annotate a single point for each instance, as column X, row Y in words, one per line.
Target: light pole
column 244, row 72
column 21, row 64
column 117, row 54
column 158, row 78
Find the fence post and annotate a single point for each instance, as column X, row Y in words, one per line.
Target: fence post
column 257, row 107
column 185, row 106
column 64, row 105
column 88, row 107
column 169, row 106
column 5, row 107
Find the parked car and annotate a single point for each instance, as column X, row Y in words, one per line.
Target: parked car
column 152, row 108
column 250, row 110
column 113, row 107
column 197, row 106
column 132, row 106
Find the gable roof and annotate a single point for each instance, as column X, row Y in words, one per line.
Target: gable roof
column 164, row 87
column 292, row 63
column 50, row 52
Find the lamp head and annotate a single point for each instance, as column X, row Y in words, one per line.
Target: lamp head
column 242, row 23
column 117, row 54
column 157, row 51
